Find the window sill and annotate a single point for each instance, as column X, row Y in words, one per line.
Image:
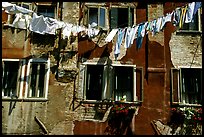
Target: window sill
column 109, row 102
column 189, row 32
column 186, row 105
column 26, row 99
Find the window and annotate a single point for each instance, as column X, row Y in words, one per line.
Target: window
column 194, row 25
column 46, row 10
column 25, row 79
column 186, row 86
column 97, row 15
column 10, row 77
column 109, row 82
column 94, row 82
column 123, row 85
column 121, row 17
column 38, row 77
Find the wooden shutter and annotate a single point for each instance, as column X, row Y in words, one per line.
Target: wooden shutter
column 175, row 86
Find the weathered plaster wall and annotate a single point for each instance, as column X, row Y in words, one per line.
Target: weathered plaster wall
column 56, row 114
column 186, row 50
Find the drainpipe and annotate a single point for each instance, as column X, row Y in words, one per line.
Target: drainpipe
column 59, row 41
column 146, row 49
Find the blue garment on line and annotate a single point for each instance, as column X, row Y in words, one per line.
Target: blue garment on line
column 139, row 36
column 121, row 33
column 197, row 6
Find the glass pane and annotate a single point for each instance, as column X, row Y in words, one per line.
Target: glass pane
column 94, row 82
column 114, row 18
column 48, row 11
column 41, row 80
column 192, row 85
column 33, row 80
column 123, row 84
column 102, row 17
column 9, row 78
column 93, row 15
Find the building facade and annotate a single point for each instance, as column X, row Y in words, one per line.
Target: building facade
column 67, row 80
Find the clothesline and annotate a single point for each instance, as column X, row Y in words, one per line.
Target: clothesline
column 43, row 25
column 179, row 15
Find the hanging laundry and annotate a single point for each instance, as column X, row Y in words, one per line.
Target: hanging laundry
column 163, row 22
column 38, row 24
column 169, row 17
column 148, row 26
column 165, row 19
column 76, row 29
column 153, row 27
column 13, row 8
column 158, row 25
column 128, row 37
column 143, row 29
column 197, row 6
column 22, row 21
column 134, row 34
column 42, row 25
column 52, row 25
column 189, row 13
column 120, row 36
column 111, row 35
column 182, row 16
column 66, row 31
column 92, row 31
column 141, row 33
column 176, row 16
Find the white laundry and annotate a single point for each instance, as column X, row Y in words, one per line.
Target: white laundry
column 163, row 22
column 38, row 24
column 76, row 29
column 92, row 32
column 134, row 34
column 43, row 25
column 111, row 35
column 158, row 24
column 66, row 31
column 52, row 25
column 167, row 18
column 143, row 29
column 189, row 13
column 127, row 37
column 22, row 21
column 13, row 8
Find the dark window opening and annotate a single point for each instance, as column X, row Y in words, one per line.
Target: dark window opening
column 9, row 78
column 97, row 15
column 191, row 85
column 94, row 81
column 123, row 83
column 37, row 80
column 121, row 17
column 47, row 11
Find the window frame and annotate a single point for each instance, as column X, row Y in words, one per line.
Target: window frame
column 104, row 80
column 20, row 76
column 98, row 15
column 179, row 91
column 107, row 88
column 46, row 80
column 129, row 15
column 134, row 92
column 46, row 5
